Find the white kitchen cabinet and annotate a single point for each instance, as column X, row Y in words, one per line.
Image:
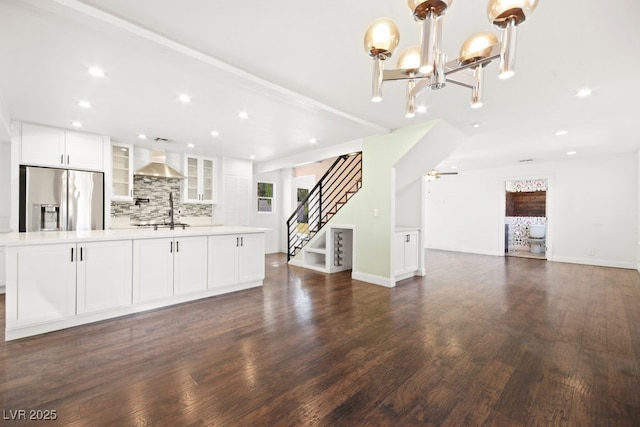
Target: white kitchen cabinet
column 45, row 280
column 46, row 146
column 42, row 145
column 2, row 270
column 235, row 259
column 406, row 252
column 122, row 172
column 152, row 269
column 170, row 266
column 103, row 275
column 84, row 151
column 237, row 193
column 199, row 182
column 190, row 265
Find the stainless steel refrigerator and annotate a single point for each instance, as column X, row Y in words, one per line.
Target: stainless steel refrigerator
column 60, row 199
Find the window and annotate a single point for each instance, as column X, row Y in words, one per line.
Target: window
column 265, row 197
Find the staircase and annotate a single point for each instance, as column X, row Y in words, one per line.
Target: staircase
column 333, row 190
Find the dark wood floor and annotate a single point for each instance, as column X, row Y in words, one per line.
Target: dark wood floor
column 479, row 341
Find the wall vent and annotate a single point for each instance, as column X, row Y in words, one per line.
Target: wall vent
column 525, row 160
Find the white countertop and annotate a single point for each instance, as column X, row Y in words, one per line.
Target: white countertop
column 50, row 237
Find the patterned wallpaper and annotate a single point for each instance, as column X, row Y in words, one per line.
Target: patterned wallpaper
column 527, row 185
column 519, row 230
column 157, row 191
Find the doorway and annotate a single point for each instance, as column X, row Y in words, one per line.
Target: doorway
column 526, row 218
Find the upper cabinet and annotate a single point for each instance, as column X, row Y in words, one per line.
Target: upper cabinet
column 122, row 169
column 199, row 182
column 46, row 146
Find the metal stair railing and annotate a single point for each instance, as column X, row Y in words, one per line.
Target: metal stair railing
column 341, row 181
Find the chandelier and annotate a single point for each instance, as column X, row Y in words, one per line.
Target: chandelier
column 426, row 66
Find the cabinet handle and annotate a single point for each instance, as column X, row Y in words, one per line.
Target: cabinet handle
column 177, row 246
column 67, row 159
column 408, row 238
column 237, row 241
column 61, row 159
column 80, row 253
column 171, row 246
column 242, row 241
column 71, row 254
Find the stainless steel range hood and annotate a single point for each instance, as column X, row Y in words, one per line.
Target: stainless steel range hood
column 159, row 167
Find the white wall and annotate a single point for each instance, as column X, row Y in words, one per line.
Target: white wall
column 592, row 205
column 638, row 255
column 5, row 185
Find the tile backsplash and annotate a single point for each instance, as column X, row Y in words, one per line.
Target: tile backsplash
column 157, row 191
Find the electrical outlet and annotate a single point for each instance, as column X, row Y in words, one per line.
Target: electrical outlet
column 376, row 212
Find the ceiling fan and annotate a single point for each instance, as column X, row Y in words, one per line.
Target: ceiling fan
column 434, row 174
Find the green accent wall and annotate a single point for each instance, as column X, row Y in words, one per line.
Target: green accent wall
column 373, row 233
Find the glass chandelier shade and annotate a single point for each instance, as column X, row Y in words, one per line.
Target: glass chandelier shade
column 409, row 60
column 477, row 47
column 500, row 12
column 382, row 38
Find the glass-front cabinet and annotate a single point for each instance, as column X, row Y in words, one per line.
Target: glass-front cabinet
column 199, row 185
column 122, row 172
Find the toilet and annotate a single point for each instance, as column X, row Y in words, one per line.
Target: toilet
column 536, row 238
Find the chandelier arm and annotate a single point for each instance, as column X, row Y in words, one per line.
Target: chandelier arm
column 462, row 79
column 450, row 67
column 376, row 89
column 429, row 45
column 508, row 50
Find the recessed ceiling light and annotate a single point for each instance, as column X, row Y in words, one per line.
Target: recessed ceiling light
column 454, row 167
column 252, row 157
column 142, row 136
column 215, row 133
column 562, row 132
column 571, row 153
column 312, row 140
column 84, row 104
column 76, row 124
column 584, row 92
column 475, row 125
column 96, row 72
column 243, row 115
column 190, row 145
column 421, row 109
column 185, row 99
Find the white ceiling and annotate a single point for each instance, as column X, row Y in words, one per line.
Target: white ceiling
column 298, row 68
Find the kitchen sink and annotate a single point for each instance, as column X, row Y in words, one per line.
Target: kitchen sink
column 159, row 224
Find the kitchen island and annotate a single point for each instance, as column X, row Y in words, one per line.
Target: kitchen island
column 56, row 280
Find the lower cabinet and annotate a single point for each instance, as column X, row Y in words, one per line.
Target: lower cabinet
column 406, row 252
column 49, row 277
column 46, row 283
column 58, row 285
column 103, row 275
column 168, row 266
column 190, row 265
column 235, row 259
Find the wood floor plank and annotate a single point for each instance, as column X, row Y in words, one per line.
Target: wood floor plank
column 479, row 340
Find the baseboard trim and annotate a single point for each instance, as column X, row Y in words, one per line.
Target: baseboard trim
column 596, row 262
column 373, row 279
